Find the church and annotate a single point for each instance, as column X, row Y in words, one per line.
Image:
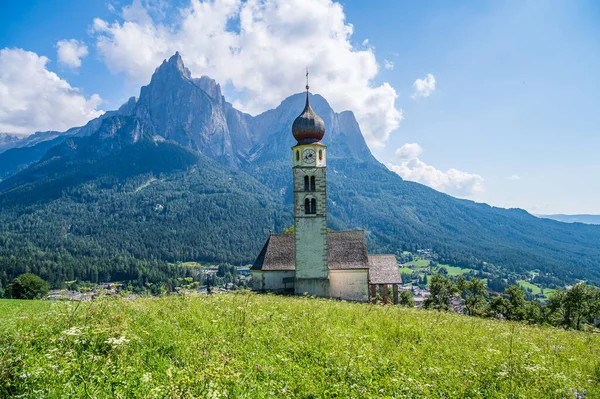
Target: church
column 314, row 260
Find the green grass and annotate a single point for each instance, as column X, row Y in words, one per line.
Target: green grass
column 190, row 264
column 143, row 186
column 406, row 270
column 264, row 346
column 526, row 284
column 417, row 264
column 455, row 270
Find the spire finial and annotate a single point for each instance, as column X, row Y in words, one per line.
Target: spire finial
column 307, row 79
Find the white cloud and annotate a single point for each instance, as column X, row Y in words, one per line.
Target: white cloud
column 387, row 64
column 453, row 181
column 35, row 99
column 261, row 49
column 70, row 53
column 514, row 177
column 424, row 87
column 409, row 151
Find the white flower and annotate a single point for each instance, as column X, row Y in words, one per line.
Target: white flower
column 73, row 331
column 117, row 341
column 147, row 377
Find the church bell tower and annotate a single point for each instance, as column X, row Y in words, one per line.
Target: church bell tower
column 309, row 165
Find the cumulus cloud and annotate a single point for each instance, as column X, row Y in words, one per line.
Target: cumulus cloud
column 35, row 99
column 453, row 181
column 424, row 87
column 387, row 64
column 70, row 53
column 409, row 151
column 259, row 49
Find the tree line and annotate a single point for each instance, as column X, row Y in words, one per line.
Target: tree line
column 576, row 307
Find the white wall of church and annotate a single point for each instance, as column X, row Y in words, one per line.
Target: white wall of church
column 271, row 280
column 257, row 281
column 352, row 285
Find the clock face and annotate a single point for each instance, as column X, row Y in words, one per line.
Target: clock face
column 309, row 155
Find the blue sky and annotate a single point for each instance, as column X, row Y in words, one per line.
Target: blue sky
column 512, row 120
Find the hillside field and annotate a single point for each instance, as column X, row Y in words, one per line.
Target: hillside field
column 245, row 345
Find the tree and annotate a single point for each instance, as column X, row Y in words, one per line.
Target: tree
column 406, row 299
column 554, row 308
column 579, row 302
column 499, row 308
column 516, row 309
column 28, row 286
column 441, row 289
column 534, row 312
column 474, row 293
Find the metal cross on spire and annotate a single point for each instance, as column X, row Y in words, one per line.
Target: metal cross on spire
column 306, row 78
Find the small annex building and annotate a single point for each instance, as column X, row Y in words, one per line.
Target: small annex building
column 314, row 260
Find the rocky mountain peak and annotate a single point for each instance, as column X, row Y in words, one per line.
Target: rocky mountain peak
column 170, row 69
column 211, row 87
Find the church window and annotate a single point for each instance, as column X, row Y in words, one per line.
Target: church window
column 297, row 155
column 306, row 184
column 312, row 183
column 320, row 155
column 310, row 206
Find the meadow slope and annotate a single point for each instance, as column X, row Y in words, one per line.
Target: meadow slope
column 246, row 345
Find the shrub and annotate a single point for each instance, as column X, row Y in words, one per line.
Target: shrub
column 28, row 286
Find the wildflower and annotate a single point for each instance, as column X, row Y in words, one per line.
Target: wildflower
column 25, row 375
column 147, row 377
column 117, row 341
column 73, row 331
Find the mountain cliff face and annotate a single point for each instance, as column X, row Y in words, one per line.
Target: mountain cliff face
column 221, row 179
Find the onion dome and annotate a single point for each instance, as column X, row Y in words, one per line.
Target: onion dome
column 308, row 127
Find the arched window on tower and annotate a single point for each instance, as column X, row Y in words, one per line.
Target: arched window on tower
column 312, row 183
column 306, row 184
column 320, row 155
column 310, row 206
column 297, row 155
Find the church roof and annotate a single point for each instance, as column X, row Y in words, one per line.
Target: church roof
column 346, row 250
column 277, row 254
column 308, row 127
column 383, row 269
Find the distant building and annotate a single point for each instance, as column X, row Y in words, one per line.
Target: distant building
column 312, row 260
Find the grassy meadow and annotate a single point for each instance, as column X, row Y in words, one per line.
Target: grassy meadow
column 246, row 345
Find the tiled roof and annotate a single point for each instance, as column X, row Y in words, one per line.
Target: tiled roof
column 277, row 254
column 346, row 250
column 383, row 269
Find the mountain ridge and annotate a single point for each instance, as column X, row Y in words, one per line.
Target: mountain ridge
column 180, row 122
column 578, row 218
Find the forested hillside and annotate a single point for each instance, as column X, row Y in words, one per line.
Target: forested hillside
column 180, row 175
